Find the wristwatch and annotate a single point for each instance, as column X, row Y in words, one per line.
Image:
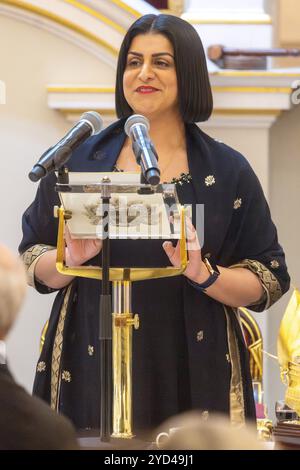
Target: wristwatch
column 214, row 274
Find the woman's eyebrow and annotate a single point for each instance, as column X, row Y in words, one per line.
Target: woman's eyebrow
column 138, row 54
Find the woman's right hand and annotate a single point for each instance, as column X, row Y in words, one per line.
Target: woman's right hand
column 78, row 251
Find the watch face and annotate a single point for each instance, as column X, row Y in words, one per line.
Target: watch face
column 211, row 269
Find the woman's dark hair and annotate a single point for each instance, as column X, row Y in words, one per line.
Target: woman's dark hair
column 194, row 91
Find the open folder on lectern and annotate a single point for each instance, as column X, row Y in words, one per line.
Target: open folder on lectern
column 133, row 212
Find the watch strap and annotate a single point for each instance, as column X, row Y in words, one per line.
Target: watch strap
column 214, row 274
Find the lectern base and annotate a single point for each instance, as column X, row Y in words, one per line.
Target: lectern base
column 90, row 440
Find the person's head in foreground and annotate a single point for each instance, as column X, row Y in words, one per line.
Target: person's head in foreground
column 12, row 289
column 197, row 431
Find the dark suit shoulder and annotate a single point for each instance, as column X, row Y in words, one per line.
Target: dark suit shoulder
column 27, row 422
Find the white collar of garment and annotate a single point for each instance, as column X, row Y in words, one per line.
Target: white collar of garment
column 2, row 352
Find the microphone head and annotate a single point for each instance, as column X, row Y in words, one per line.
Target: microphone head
column 94, row 120
column 36, row 173
column 136, row 119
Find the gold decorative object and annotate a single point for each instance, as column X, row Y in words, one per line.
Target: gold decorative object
column 116, row 274
column 123, row 321
column 265, row 429
column 255, row 348
column 288, row 348
column 256, row 345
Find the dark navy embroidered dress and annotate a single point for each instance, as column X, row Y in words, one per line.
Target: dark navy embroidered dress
column 189, row 352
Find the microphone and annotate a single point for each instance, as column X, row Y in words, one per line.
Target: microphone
column 89, row 124
column 137, row 127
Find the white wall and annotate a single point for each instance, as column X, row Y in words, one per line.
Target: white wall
column 30, row 60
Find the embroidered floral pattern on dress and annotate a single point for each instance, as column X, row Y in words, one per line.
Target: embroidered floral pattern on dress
column 274, row 264
column 41, row 367
column 210, row 180
column 183, row 178
column 66, row 376
column 90, row 350
column 200, row 335
column 237, row 203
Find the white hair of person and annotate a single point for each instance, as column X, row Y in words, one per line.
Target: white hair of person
column 12, row 290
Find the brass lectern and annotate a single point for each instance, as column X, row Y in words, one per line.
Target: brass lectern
column 78, row 201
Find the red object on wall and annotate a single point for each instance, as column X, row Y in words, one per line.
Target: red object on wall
column 160, row 4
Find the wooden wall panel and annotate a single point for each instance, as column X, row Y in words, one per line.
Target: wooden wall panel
column 289, row 23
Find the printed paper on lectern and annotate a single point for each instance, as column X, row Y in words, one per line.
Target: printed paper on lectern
column 132, row 215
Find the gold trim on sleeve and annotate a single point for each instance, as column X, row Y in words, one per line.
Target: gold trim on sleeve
column 30, row 258
column 267, row 278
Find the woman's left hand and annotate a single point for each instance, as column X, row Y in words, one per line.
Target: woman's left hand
column 196, row 270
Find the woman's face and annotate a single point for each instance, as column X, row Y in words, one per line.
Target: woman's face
column 150, row 81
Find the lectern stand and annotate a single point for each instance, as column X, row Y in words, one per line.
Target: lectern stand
column 86, row 215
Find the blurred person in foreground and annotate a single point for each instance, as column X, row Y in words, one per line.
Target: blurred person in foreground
column 26, row 422
column 196, row 431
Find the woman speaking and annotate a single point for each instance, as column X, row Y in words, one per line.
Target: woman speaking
column 189, row 352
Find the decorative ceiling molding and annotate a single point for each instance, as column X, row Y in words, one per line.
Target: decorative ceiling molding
column 94, row 26
column 246, row 119
column 227, row 20
column 279, row 73
column 96, row 14
column 242, row 104
column 121, row 12
column 227, row 13
column 262, row 119
column 280, row 81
